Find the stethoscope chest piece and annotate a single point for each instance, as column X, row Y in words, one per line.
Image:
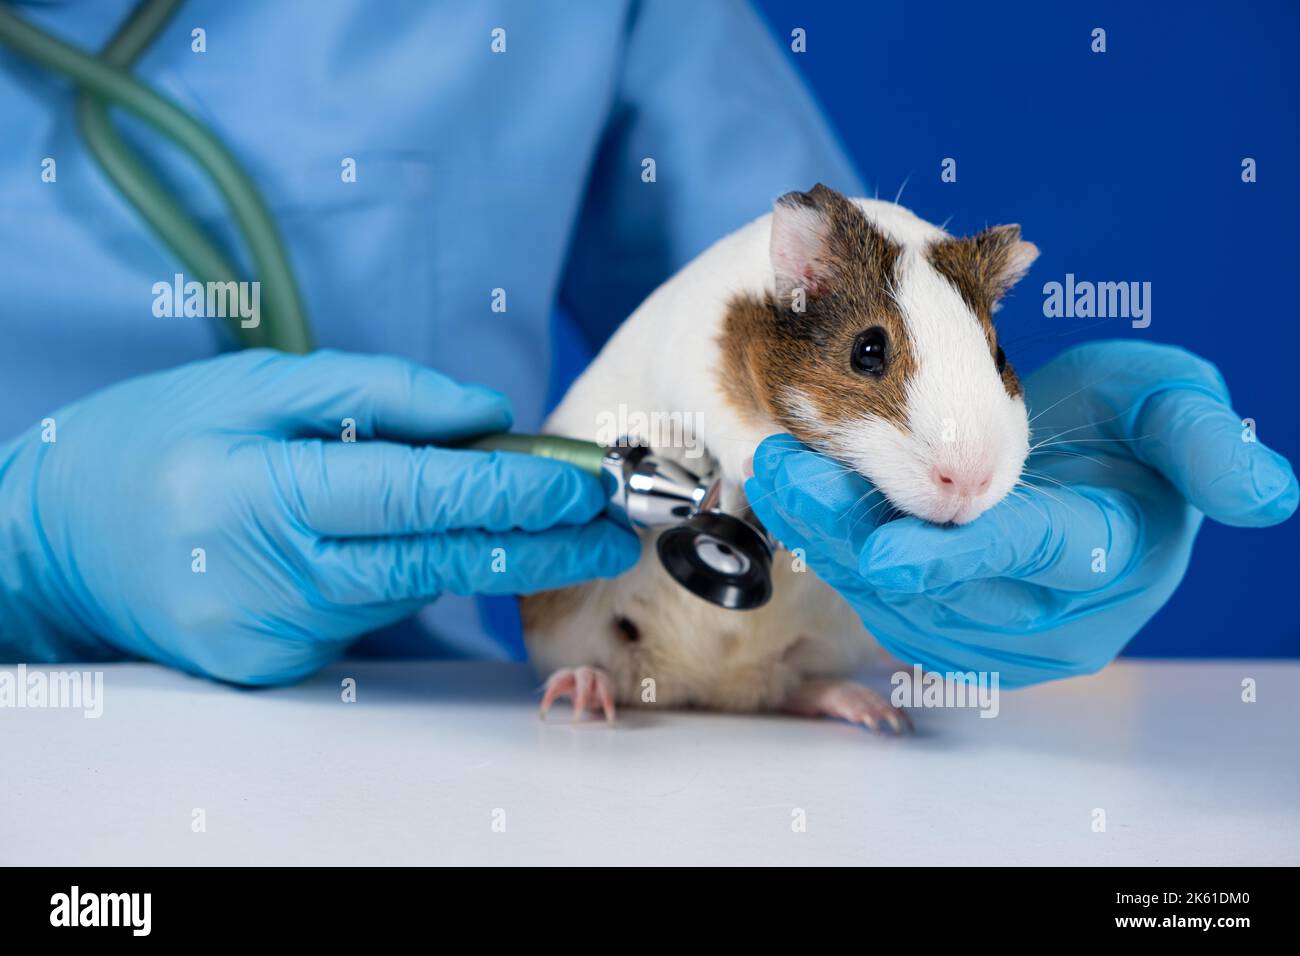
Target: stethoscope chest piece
column 720, row 558
column 717, row 556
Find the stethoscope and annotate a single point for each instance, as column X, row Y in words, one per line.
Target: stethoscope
column 725, row 559
column 718, row 556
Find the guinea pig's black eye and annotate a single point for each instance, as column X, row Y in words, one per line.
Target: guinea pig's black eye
column 1001, row 360
column 869, row 351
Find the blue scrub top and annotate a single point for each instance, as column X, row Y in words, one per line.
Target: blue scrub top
column 475, row 171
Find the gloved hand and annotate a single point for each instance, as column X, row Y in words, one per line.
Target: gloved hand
column 1132, row 444
column 307, row 541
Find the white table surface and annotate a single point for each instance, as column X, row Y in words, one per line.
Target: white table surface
column 415, row 770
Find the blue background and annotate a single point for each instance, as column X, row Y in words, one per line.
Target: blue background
column 1120, row 166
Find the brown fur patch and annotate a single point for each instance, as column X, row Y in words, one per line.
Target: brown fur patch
column 982, row 268
column 774, row 356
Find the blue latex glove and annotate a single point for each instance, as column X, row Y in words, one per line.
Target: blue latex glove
column 308, row 540
column 1133, row 444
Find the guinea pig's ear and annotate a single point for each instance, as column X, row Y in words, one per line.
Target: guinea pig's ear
column 985, row 266
column 802, row 258
column 1003, row 259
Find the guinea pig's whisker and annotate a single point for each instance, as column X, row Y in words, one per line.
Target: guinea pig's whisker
column 883, row 502
column 853, row 507
column 869, row 512
column 1074, row 454
column 899, row 194
column 1039, row 489
column 1039, row 474
column 1071, row 441
column 888, row 514
column 1043, row 490
column 1101, row 422
column 1028, row 499
column 1059, row 484
column 1027, row 339
column 1067, row 398
column 1079, row 441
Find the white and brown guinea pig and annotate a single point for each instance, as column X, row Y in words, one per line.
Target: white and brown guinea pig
column 859, row 328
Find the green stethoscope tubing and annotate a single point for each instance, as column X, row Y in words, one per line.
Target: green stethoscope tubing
column 583, row 454
column 105, row 80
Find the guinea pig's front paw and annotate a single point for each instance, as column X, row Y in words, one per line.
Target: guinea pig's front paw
column 848, row 701
column 585, row 685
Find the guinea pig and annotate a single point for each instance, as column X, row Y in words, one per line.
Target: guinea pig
column 864, row 331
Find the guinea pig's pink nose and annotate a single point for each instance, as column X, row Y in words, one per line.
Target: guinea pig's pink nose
column 966, row 482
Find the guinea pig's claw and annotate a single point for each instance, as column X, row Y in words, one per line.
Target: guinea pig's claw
column 849, row 701
column 584, row 685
